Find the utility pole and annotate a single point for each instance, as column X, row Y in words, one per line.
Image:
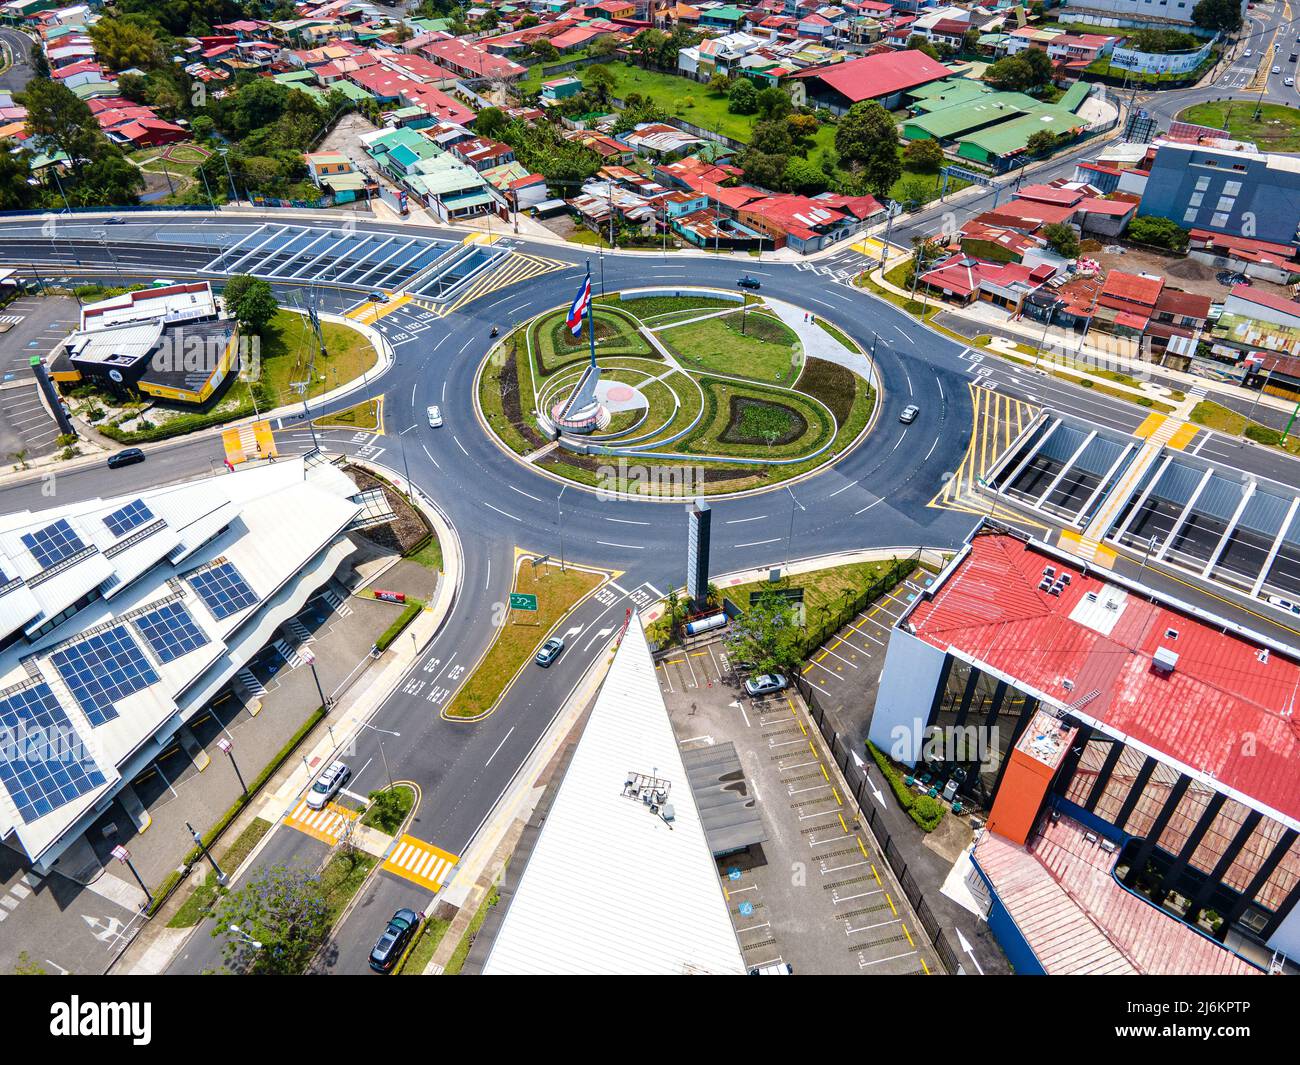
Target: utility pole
column 222, row 879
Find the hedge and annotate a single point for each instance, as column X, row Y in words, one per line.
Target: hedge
column 925, row 811
column 413, row 607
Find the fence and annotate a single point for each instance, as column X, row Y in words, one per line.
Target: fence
column 856, row 778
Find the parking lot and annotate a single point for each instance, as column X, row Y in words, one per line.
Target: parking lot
column 30, row 326
column 816, row 894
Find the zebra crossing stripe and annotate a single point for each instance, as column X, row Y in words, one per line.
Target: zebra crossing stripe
column 421, row 863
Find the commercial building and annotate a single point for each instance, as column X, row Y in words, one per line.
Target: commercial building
column 624, row 804
column 123, row 617
column 1242, row 193
column 884, row 77
column 1136, row 755
column 1135, row 14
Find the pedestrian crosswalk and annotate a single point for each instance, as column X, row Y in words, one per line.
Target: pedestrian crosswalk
column 513, row 269
column 1198, row 391
column 288, row 653
column 11, row 319
column 326, row 825
column 255, row 688
column 337, row 603
column 421, row 863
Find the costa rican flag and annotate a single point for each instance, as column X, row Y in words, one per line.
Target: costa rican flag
column 579, row 307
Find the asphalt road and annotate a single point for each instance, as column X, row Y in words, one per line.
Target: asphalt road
column 876, row 496
column 19, row 72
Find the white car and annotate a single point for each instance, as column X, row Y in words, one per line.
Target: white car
column 435, row 417
column 1289, row 81
column 1277, row 70
column 1247, row 54
column 328, row 785
column 1285, row 605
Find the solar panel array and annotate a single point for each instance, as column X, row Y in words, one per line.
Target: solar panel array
column 223, row 589
column 102, row 669
column 131, row 516
column 54, row 543
column 50, row 766
column 171, row 631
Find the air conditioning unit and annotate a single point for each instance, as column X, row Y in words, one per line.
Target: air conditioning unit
column 1165, row 659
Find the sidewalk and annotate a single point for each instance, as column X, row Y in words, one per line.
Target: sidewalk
column 984, row 315
column 819, row 344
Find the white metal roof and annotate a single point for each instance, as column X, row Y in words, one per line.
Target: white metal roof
column 610, row 887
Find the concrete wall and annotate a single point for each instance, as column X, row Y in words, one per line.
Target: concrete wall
column 1287, row 937
column 905, row 695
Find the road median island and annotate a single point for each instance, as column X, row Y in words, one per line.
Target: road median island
column 520, row 632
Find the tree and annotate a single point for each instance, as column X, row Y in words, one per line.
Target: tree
column 490, row 122
column 1010, row 74
column 1223, row 15
column 123, row 43
column 1160, row 232
column 720, row 84
column 742, row 99
column 867, row 138
column 803, row 176
column 913, row 190
column 923, row 157
column 283, row 917
column 545, row 51
column 600, row 81
column 40, row 65
column 250, row 300
column 58, row 120
column 917, row 43
column 648, row 44
column 803, row 128
column 1041, row 142
column 603, row 46
column 15, row 172
column 970, row 41
column 774, row 102
column 767, row 638
column 1062, row 239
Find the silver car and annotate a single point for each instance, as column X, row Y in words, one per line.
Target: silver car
column 766, row 684
column 909, row 414
column 328, row 784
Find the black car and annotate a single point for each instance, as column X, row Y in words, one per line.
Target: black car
column 396, row 938
column 749, row 282
column 127, row 457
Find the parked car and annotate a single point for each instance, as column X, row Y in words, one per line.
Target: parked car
column 328, row 784
column 1289, row 81
column 126, row 457
column 749, row 282
column 435, row 417
column 550, row 651
column 390, row 946
column 766, row 684
column 908, row 416
column 1277, row 70
column 1284, row 604
column 378, row 297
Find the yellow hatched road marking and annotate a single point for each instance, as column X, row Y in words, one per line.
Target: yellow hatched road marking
column 421, row 863
column 325, row 825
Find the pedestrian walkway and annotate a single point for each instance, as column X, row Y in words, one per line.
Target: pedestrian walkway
column 326, row 825
column 421, row 863
column 818, row 343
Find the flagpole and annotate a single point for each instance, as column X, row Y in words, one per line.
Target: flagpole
column 591, row 322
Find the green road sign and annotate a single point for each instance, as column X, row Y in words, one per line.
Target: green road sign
column 522, row 601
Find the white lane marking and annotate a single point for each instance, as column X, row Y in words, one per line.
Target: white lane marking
column 741, row 521
column 904, row 335
column 630, row 547
column 931, row 451
column 523, row 493
column 460, row 445
column 839, row 490
column 759, row 543
column 868, row 507
column 431, row 458
column 627, row 521
column 498, row 748
column 506, row 513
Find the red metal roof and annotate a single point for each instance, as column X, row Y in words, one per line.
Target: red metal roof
column 1221, row 711
column 1131, row 288
column 1266, row 299
column 883, row 74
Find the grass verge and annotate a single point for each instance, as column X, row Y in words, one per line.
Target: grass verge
column 462, row 950
column 363, row 415
column 517, row 639
column 204, row 897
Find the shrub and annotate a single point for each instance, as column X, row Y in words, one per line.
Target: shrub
column 926, row 812
column 413, row 607
column 1262, row 434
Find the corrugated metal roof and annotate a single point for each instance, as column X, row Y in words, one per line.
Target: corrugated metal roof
column 1224, row 711
column 609, row 887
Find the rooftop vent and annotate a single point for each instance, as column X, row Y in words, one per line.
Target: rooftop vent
column 1165, row 660
column 1171, row 634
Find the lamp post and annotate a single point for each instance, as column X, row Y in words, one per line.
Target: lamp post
column 310, row 659
column 789, row 542
column 228, row 748
column 256, row 944
column 222, row 879
column 234, row 193
column 559, row 526
column 124, row 856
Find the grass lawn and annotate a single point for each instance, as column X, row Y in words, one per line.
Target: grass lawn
column 363, row 415
column 1224, row 420
column 820, row 587
column 708, row 438
column 288, row 348
column 649, row 308
column 517, row 640
column 342, row 878
column 764, row 352
column 202, row 898
column 389, row 819
column 844, row 340
column 1278, row 129
column 457, row 961
column 430, row 555
column 421, row 953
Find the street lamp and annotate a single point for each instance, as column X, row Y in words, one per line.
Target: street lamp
column 310, row 659
column 559, row 526
column 226, row 746
column 256, row 944
column 124, row 856
column 789, row 543
column 198, row 842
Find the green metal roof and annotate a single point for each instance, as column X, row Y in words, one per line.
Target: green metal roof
column 1074, row 96
column 1008, row 137
column 971, row 114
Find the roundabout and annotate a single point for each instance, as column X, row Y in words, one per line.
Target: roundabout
column 684, row 392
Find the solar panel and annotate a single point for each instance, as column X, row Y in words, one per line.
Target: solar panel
column 223, row 589
column 54, row 543
column 102, row 669
column 131, row 516
column 171, row 631
column 45, row 763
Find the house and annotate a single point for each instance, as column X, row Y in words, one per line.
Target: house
column 481, row 154
column 1253, row 320
column 1267, row 260
column 558, row 89
column 799, row 222
column 469, row 61
column 1005, row 285
column 883, row 77
column 659, row 140
column 1127, row 302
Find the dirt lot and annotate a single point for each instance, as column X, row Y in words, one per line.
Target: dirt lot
column 1186, row 274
